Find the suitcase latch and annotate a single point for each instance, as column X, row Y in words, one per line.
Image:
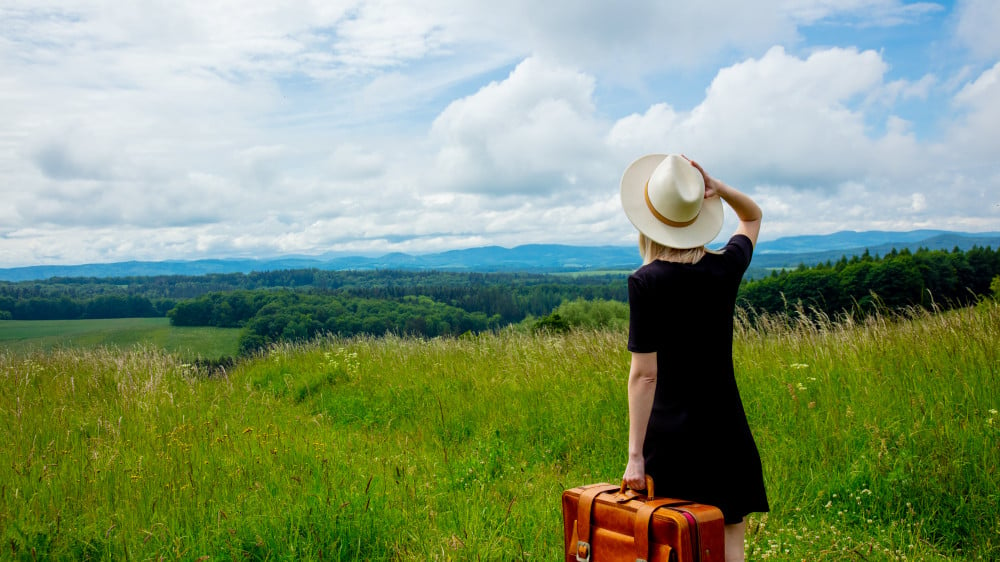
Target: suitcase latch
column 582, row 551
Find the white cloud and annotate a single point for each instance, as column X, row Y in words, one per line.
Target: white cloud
column 975, row 135
column 905, row 90
column 530, row 133
column 978, row 21
column 778, row 119
column 387, row 32
column 354, row 162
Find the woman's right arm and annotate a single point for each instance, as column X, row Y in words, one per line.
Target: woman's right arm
column 641, row 389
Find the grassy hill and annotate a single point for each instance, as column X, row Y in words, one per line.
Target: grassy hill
column 878, row 439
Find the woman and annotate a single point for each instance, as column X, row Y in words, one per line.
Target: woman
column 687, row 426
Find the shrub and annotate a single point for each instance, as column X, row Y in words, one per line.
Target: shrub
column 596, row 313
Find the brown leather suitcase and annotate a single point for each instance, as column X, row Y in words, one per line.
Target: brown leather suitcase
column 608, row 523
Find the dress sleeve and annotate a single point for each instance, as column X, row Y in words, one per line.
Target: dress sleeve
column 641, row 332
column 739, row 252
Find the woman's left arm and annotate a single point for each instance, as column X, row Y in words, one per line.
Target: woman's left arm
column 746, row 208
column 641, row 389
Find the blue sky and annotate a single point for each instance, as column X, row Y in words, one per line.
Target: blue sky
column 186, row 129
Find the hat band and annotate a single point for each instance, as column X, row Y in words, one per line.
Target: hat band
column 662, row 218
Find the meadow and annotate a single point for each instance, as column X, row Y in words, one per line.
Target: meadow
column 878, row 436
column 26, row 336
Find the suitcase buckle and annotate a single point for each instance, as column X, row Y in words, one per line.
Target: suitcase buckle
column 582, row 551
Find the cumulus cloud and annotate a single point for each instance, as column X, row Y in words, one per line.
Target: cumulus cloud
column 779, row 119
column 534, row 132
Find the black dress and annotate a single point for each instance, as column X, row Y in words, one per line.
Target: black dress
column 698, row 445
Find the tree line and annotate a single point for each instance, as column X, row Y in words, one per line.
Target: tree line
column 509, row 294
column 67, row 308
column 366, row 282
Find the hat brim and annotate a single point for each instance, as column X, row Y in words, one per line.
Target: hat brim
column 703, row 230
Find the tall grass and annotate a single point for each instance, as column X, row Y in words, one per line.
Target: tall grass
column 884, row 430
column 878, row 436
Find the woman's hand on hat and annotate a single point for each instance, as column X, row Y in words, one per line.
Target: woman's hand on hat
column 712, row 185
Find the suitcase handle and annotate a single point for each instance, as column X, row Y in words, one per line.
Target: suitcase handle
column 649, row 487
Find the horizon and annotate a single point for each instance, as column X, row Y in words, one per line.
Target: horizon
column 182, row 132
column 332, row 256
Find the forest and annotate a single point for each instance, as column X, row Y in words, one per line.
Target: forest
column 897, row 280
column 511, row 295
column 301, row 304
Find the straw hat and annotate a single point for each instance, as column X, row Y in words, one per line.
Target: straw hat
column 664, row 197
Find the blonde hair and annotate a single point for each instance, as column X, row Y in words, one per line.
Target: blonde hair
column 651, row 250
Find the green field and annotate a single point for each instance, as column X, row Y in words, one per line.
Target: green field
column 878, row 437
column 25, row 336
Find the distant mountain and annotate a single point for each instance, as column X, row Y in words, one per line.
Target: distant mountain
column 852, row 240
column 783, row 252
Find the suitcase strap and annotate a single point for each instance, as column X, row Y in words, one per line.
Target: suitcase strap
column 643, row 518
column 584, row 510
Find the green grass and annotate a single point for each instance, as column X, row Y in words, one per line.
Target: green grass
column 879, row 442
column 26, row 336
